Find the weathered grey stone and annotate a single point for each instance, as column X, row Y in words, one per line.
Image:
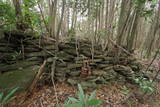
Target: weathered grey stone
column 98, row 80
column 122, row 68
column 136, row 63
column 72, row 81
column 51, row 59
column 98, row 72
column 34, row 59
column 17, row 65
column 79, row 62
column 108, row 68
column 110, row 75
column 101, row 66
column 50, row 47
column 21, row 78
column 86, row 84
column 60, row 79
column 72, row 66
column 134, row 68
column 75, row 73
column 97, row 60
column 70, row 51
column 59, row 74
column 90, row 78
column 80, row 58
column 36, row 54
column 64, row 56
column 99, row 56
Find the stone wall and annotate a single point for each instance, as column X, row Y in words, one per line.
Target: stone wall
column 31, row 52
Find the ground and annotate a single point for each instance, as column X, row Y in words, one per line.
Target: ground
column 112, row 95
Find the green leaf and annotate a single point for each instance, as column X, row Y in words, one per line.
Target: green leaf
column 93, row 95
column 74, row 105
column 1, row 96
column 94, row 102
column 81, row 95
column 9, row 96
column 73, row 99
column 58, row 105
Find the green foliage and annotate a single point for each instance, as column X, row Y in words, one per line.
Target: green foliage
column 83, row 100
column 145, row 11
column 5, row 99
column 7, row 14
column 15, row 55
column 145, row 85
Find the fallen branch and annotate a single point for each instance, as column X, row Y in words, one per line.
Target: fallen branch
column 52, row 78
column 36, row 78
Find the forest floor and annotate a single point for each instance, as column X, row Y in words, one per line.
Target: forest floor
column 112, row 95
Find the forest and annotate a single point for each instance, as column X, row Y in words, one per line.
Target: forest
column 79, row 53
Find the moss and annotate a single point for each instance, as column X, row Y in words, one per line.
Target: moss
column 18, row 78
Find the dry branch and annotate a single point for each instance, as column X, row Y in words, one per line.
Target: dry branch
column 37, row 76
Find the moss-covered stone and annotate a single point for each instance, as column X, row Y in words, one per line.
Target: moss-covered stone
column 17, row 65
column 74, row 73
column 72, row 66
column 21, row 78
column 72, row 81
column 87, row 84
column 98, row 72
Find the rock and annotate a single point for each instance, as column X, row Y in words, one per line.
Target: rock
column 87, row 84
column 97, row 60
column 101, row 66
column 36, row 54
column 64, row 56
column 90, row 78
column 80, row 58
column 136, row 63
column 125, row 71
column 98, row 52
column 109, row 60
column 70, row 51
column 130, row 60
column 86, row 53
column 98, row 80
column 66, row 46
column 63, row 64
column 51, row 59
column 134, row 68
column 99, row 56
column 21, row 78
column 50, row 47
column 59, row 74
column 110, row 75
column 60, row 79
column 93, row 64
column 62, row 70
column 72, row 81
column 79, row 62
column 74, row 73
column 34, row 59
column 98, row 72
column 31, row 49
column 108, row 68
column 122, row 68
column 17, row 65
column 72, row 66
